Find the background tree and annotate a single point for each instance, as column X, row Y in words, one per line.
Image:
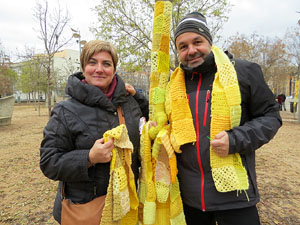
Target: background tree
column 51, row 29
column 8, row 77
column 33, row 79
column 128, row 25
column 292, row 39
column 269, row 53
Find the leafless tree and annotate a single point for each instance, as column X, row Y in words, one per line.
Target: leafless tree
column 52, row 24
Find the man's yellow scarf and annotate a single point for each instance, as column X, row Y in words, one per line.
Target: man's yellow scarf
column 228, row 172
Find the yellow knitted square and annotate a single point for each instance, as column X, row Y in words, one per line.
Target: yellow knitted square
column 158, row 24
column 159, row 8
column 235, row 115
column 174, row 191
column 163, row 79
column 130, row 218
column 163, row 62
column 176, row 207
column 154, row 61
column 166, row 25
column 155, row 79
column 156, row 42
column 158, row 95
column 182, row 135
column 178, row 220
column 142, row 192
column 125, row 202
column 162, row 213
column 164, row 43
column 233, row 95
column 120, row 176
column 149, row 212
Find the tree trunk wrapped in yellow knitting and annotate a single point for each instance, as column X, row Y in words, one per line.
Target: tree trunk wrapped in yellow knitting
column 159, row 195
column 121, row 202
column 228, row 172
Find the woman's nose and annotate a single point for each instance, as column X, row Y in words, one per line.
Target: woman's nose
column 99, row 67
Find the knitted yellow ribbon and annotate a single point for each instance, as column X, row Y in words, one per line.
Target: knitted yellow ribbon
column 121, row 202
column 228, row 172
column 160, row 200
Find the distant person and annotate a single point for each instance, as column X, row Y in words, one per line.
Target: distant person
column 213, row 96
column 283, row 98
column 279, row 100
column 73, row 149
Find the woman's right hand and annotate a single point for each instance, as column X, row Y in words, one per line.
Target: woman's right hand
column 101, row 152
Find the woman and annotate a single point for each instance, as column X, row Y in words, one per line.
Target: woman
column 73, row 150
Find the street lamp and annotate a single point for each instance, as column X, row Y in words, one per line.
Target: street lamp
column 76, row 34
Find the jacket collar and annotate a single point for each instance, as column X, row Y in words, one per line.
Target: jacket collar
column 93, row 96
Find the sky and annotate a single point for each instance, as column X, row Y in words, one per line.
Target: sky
column 18, row 28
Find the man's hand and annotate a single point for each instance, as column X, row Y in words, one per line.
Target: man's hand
column 220, row 144
column 130, row 89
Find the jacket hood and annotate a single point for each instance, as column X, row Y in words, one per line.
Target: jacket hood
column 93, row 96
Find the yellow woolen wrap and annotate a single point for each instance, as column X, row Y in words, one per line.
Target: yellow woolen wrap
column 121, row 202
column 160, row 200
column 228, row 172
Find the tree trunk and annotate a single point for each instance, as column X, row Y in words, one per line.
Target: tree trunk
column 49, row 90
column 298, row 104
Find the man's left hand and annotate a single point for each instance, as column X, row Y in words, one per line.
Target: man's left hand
column 220, row 144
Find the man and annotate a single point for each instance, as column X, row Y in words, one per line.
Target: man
column 283, row 98
column 279, row 100
column 228, row 102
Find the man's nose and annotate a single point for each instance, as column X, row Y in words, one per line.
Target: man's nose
column 192, row 50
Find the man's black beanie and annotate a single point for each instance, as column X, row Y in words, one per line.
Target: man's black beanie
column 193, row 22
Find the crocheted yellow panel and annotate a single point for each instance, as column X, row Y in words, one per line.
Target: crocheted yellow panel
column 159, row 63
column 228, row 172
column 178, row 111
column 159, row 194
column 158, row 167
column 121, row 202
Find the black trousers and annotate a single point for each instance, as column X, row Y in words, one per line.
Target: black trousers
column 244, row 216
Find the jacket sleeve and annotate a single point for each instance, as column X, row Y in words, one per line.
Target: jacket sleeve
column 59, row 160
column 260, row 112
column 143, row 103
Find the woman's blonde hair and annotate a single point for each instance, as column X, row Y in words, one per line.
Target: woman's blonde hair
column 96, row 46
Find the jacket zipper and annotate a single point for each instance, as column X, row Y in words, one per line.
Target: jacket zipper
column 197, row 144
column 206, row 107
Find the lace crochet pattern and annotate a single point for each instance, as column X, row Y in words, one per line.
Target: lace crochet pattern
column 121, row 202
column 159, row 195
column 228, row 172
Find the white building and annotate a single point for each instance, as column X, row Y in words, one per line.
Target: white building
column 65, row 63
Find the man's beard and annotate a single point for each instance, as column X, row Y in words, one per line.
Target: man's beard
column 198, row 55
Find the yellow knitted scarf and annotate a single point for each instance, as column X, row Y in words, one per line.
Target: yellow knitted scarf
column 228, row 172
column 159, row 195
column 121, row 202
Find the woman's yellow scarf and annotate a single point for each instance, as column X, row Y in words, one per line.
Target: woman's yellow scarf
column 121, row 202
column 228, row 172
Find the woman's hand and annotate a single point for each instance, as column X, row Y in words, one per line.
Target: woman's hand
column 130, row 89
column 101, row 152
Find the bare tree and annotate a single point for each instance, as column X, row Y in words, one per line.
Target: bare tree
column 51, row 27
column 128, row 25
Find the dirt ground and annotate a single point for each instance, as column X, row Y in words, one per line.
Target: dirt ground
column 27, row 196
